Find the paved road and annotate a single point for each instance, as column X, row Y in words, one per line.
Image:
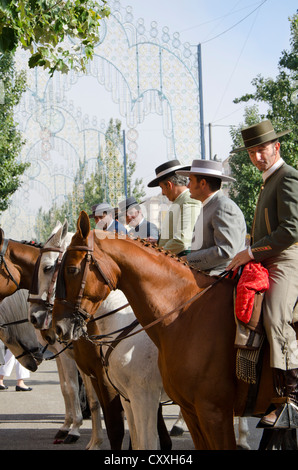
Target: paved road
column 30, row 420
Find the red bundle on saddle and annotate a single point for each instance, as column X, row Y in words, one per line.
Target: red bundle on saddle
column 254, row 278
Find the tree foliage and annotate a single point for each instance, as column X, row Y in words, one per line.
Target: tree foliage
column 280, row 95
column 41, row 27
column 12, row 86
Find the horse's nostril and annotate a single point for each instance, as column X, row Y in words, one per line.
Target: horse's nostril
column 33, row 320
column 59, row 331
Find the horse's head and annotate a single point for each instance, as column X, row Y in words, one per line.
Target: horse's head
column 43, row 287
column 82, row 284
column 20, row 338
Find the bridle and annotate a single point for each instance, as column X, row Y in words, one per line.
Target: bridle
column 47, row 303
column 2, row 261
column 79, row 313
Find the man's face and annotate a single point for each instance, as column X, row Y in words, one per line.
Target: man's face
column 195, row 187
column 133, row 217
column 103, row 221
column 265, row 155
column 166, row 189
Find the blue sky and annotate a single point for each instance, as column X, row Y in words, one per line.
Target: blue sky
column 240, row 39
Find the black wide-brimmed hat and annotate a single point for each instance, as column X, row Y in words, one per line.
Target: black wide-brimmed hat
column 258, row 134
column 206, row 168
column 127, row 204
column 166, row 169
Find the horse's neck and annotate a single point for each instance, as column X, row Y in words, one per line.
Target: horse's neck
column 117, row 320
column 24, row 258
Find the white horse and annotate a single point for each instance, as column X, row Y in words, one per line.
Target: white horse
column 132, row 365
column 25, row 343
column 67, row 367
column 20, row 338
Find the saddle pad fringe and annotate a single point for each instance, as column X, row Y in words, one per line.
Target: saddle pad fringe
column 246, row 363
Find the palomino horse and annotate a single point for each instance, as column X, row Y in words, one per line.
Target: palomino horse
column 131, row 366
column 24, row 342
column 189, row 317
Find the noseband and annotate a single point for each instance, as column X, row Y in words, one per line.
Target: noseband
column 78, row 312
column 2, row 261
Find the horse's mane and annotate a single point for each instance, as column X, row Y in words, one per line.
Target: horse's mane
column 30, row 243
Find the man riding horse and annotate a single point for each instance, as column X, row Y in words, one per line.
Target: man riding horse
column 274, row 243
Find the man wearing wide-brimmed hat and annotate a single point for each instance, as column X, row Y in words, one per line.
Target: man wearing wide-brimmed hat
column 177, row 226
column 220, row 230
column 102, row 213
column 274, row 243
column 138, row 226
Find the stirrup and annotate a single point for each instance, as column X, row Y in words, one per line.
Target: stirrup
column 288, row 417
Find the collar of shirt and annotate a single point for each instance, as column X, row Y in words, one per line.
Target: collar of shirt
column 272, row 169
column 137, row 225
column 180, row 195
column 110, row 224
column 209, row 198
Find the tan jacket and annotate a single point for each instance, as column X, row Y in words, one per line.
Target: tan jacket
column 177, row 226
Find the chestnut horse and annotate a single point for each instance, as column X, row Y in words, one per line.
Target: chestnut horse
column 189, row 317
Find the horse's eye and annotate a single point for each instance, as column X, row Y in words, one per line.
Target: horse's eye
column 48, row 269
column 72, row 270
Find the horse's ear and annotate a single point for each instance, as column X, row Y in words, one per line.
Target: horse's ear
column 83, row 224
column 65, row 229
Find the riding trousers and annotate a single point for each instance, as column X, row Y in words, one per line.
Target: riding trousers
column 10, row 361
column 278, row 305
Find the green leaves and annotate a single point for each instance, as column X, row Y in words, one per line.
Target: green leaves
column 46, row 24
column 10, row 137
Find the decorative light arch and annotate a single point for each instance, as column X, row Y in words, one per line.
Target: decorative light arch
column 144, row 70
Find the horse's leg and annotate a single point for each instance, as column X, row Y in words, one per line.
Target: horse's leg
column 243, row 432
column 178, row 427
column 97, row 431
column 112, row 410
column 70, row 372
column 217, row 426
column 145, row 406
column 64, row 430
column 131, row 424
column 192, row 423
column 164, row 437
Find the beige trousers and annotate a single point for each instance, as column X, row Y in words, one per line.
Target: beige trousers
column 278, row 306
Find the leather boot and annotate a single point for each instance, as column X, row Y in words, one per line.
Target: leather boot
column 290, row 385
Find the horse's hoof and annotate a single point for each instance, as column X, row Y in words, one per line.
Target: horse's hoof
column 61, row 434
column 70, row 439
column 176, row 431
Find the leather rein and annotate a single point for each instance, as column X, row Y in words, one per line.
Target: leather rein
column 82, row 315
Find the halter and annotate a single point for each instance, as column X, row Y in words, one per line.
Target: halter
column 2, row 260
column 79, row 313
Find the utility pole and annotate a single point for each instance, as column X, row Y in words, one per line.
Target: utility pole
column 210, row 141
column 202, row 126
column 124, row 164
